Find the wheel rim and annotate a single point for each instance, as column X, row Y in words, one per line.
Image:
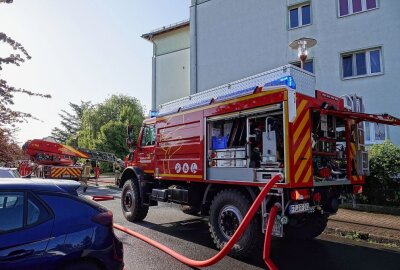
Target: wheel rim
column 229, row 220
column 128, row 200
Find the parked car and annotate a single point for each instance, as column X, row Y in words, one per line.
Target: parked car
column 9, row 173
column 45, row 224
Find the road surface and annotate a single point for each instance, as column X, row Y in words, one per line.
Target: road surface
column 189, row 235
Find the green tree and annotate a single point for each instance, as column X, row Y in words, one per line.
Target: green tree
column 381, row 188
column 112, row 138
column 104, row 125
column 71, row 123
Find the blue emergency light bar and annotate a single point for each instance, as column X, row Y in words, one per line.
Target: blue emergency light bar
column 153, row 113
column 287, row 80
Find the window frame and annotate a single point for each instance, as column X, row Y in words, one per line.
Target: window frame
column 372, row 137
column 367, row 52
column 25, row 225
column 36, row 199
column 144, row 135
column 299, row 14
column 24, row 210
column 350, row 6
column 298, row 64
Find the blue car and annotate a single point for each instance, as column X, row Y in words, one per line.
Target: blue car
column 9, row 173
column 44, row 224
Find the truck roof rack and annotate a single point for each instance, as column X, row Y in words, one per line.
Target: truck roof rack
column 289, row 75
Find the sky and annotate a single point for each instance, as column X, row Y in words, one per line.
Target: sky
column 81, row 50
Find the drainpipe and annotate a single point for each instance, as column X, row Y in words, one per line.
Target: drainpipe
column 193, row 48
column 153, row 78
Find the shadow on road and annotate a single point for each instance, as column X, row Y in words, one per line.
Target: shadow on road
column 324, row 253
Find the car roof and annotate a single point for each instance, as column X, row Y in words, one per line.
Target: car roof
column 7, row 169
column 36, row 184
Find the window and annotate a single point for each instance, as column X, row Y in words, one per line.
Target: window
column 149, row 136
column 299, row 15
column 375, row 133
column 37, row 213
column 362, row 63
column 11, row 211
column 348, row 7
column 12, row 208
column 9, row 173
column 308, row 65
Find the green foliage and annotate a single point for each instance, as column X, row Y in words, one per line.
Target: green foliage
column 104, row 125
column 70, row 123
column 112, row 138
column 380, row 187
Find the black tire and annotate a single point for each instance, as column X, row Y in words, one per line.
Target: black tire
column 227, row 211
column 130, row 202
column 82, row 266
column 306, row 227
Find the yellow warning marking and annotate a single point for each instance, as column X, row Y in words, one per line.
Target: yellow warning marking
column 302, row 166
column 301, row 126
column 303, row 144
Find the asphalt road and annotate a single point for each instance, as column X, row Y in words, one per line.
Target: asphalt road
column 189, row 236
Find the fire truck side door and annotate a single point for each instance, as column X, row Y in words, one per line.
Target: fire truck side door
column 147, row 144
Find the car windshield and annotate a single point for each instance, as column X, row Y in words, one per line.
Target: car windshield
column 15, row 173
column 9, row 173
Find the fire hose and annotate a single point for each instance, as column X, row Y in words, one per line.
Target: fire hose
column 238, row 233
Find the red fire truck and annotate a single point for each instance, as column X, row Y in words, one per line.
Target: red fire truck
column 55, row 160
column 213, row 151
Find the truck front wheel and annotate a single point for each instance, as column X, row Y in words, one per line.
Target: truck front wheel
column 130, row 202
column 306, row 227
column 227, row 211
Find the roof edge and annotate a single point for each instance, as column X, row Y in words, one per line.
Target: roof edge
column 165, row 29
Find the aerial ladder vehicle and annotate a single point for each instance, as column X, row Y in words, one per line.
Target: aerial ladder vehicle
column 55, row 160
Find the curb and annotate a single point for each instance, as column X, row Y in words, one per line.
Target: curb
column 361, row 236
column 372, row 208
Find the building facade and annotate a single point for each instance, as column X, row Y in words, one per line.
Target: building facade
column 356, row 52
column 357, row 49
column 170, row 63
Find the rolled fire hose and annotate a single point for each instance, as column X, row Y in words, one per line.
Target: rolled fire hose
column 228, row 246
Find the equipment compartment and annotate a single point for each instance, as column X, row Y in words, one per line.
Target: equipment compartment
column 253, row 144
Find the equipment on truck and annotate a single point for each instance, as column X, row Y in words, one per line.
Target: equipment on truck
column 213, row 151
column 55, row 160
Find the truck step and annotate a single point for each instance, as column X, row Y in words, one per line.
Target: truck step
column 160, row 195
column 170, row 195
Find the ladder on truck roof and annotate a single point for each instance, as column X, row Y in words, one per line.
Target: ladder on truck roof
column 289, row 75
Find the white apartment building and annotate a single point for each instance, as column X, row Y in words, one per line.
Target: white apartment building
column 357, row 51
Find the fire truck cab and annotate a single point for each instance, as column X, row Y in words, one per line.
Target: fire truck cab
column 212, row 152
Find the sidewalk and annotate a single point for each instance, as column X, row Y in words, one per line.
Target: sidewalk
column 380, row 228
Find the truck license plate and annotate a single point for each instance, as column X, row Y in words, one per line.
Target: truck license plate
column 299, row 208
column 277, row 228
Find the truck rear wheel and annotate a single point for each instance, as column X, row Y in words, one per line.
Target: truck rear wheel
column 306, row 227
column 227, row 211
column 130, row 202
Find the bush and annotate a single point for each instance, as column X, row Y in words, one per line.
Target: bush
column 381, row 187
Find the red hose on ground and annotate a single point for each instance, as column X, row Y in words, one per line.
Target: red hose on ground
column 268, row 236
column 228, row 246
column 99, row 198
